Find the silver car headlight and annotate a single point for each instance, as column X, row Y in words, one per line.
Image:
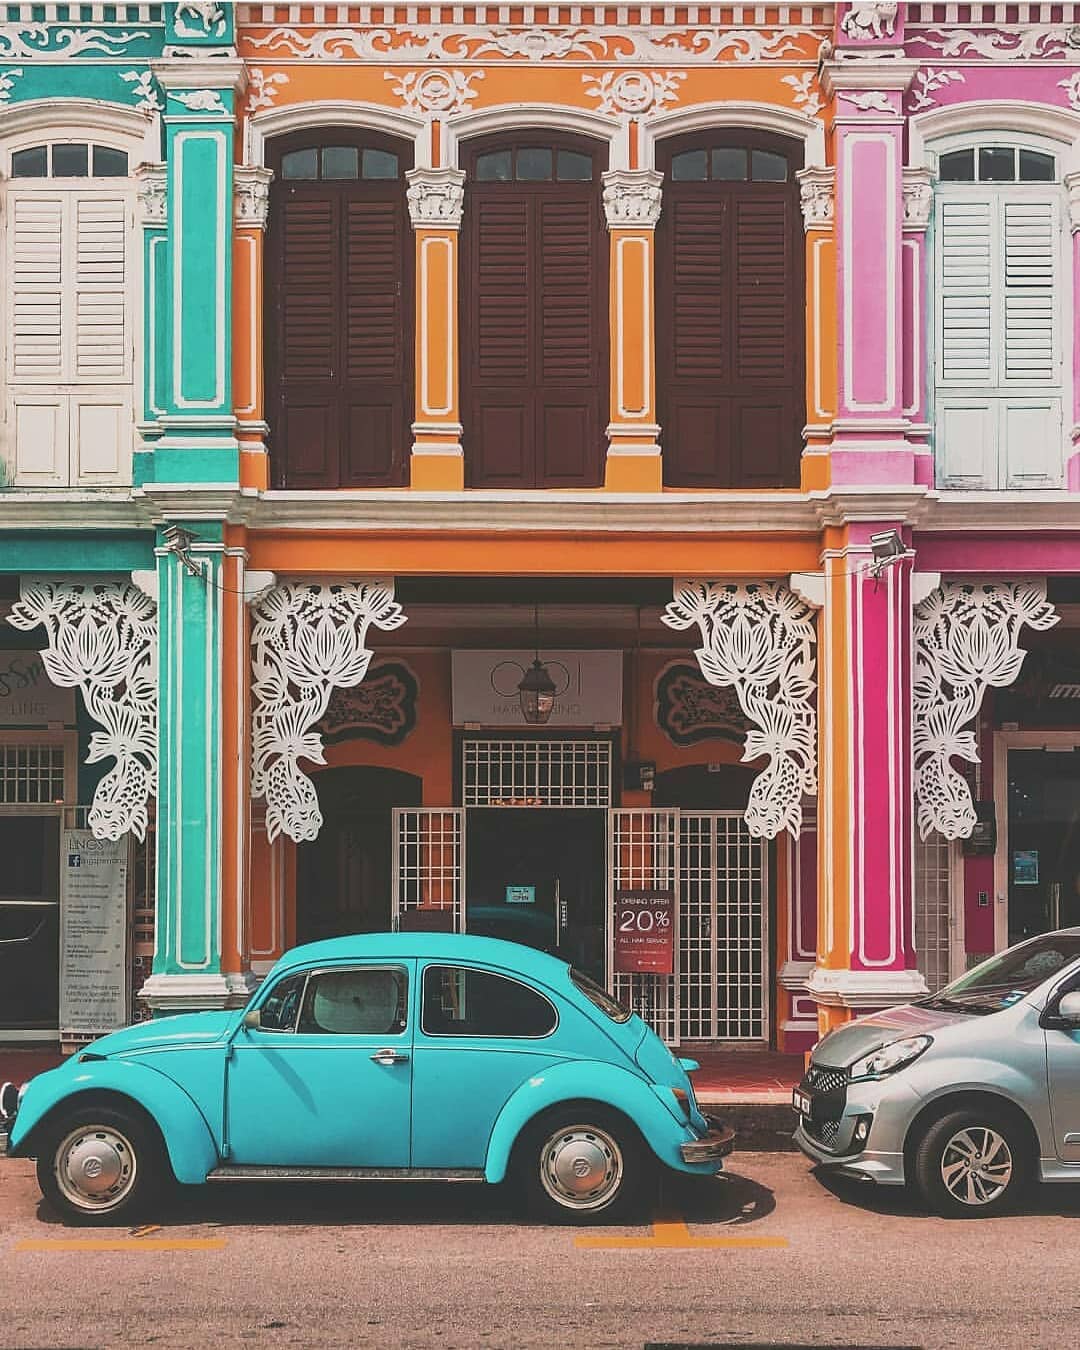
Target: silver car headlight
column 889, row 1058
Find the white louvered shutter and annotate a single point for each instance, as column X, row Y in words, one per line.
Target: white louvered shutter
column 37, row 292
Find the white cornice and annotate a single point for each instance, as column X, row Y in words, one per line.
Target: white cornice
column 68, row 509
column 867, row 73
column 857, row 989
column 194, row 74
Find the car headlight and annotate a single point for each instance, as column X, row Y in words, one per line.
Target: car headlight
column 889, row 1058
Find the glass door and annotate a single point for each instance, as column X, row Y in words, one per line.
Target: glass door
column 1043, row 859
column 29, row 923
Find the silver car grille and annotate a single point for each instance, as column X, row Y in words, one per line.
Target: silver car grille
column 821, row 1078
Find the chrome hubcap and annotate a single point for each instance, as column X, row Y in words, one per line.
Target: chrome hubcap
column 581, row 1167
column 976, row 1166
column 95, row 1167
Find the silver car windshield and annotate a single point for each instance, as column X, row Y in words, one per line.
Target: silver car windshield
column 1008, row 977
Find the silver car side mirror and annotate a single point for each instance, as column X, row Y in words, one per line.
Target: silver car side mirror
column 1069, row 1008
column 253, row 1020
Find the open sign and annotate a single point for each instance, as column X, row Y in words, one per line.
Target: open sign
column 645, row 932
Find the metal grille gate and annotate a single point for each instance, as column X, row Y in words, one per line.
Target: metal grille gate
column 719, row 873
column 429, row 866
column 933, row 920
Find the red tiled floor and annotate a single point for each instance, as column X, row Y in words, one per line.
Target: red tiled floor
column 754, row 1076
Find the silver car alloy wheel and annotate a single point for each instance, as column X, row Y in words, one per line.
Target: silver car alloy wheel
column 976, row 1165
column 95, row 1168
column 581, row 1167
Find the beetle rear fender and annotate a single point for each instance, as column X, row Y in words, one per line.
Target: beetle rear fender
column 586, row 1081
column 187, row 1136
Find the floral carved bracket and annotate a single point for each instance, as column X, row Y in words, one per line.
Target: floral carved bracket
column 103, row 642
column 759, row 638
column 966, row 640
column 308, row 640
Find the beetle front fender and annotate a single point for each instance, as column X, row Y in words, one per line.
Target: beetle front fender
column 187, row 1135
column 588, row 1080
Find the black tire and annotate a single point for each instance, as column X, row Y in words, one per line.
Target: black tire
column 994, row 1179
column 82, row 1151
column 608, row 1152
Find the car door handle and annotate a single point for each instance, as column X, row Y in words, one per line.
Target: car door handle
column 389, row 1057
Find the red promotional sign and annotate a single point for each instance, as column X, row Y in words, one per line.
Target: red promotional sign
column 644, row 932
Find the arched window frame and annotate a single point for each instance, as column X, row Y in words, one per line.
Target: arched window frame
column 69, row 121
column 989, row 456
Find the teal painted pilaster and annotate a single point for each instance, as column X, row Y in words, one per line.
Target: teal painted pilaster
column 156, row 362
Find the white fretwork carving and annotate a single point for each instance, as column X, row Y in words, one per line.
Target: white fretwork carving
column 966, row 636
column 634, row 91
column 758, row 638
column 436, row 197
column 632, row 197
column 817, row 195
column 308, row 639
column 103, row 642
column 927, row 83
column 871, row 19
column 435, row 91
column 19, row 41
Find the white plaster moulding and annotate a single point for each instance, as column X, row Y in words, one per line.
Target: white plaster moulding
column 866, row 74
column 177, row 992
column 69, row 119
column 194, row 74
column 795, row 975
column 929, row 132
column 263, row 126
column 522, row 116
column 864, row 988
column 735, row 113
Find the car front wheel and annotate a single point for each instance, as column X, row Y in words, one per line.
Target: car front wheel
column 971, row 1164
column 102, row 1165
column 582, row 1166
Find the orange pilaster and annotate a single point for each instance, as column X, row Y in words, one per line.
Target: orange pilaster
column 251, row 194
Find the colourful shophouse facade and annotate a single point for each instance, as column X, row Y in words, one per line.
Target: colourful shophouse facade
column 721, row 358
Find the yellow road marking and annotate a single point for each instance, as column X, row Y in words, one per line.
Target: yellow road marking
column 124, row 1244
column 674, row 1233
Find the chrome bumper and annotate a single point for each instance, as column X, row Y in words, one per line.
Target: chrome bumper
column 715, row 1145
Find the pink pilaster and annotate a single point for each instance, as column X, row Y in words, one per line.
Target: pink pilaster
column 870, row 442
column 918, row 198
column 1072, row 476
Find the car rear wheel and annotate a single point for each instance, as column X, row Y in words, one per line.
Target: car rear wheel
column 102, row 1165
column 583, row 1165
column 972, row 1164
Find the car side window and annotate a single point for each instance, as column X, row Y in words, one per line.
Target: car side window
column 370, row 1001
column 279, row 1009
column 460, row 1001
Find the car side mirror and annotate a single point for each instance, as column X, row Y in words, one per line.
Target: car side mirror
column 252, row 1020
column 1066, row 1016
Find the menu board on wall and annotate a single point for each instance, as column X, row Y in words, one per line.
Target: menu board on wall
column 93, row 933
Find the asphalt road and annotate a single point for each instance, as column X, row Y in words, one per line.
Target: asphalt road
column 770, row 1255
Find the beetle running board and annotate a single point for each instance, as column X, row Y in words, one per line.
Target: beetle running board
column 240, row 1173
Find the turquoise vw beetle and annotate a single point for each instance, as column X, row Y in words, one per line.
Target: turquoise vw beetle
column 410, row 1056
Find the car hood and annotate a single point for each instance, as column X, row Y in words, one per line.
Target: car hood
column 848, row 1043
column 201, row 1028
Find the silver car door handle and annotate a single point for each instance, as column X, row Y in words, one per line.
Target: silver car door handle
column 389, row 1057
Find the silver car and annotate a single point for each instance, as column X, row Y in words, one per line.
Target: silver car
column 970, row 1094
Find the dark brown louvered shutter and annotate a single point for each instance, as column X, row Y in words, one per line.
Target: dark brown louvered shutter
column 730, row 332
column 499, row 401
column 305, row 402
column 534, row 330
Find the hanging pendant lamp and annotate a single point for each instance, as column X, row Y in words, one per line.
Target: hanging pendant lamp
column 536, row 692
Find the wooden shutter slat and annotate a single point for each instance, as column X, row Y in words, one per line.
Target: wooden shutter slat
column 308, row 289
column 373, row 319
column 701, row 282
column 566, row 290
column 502, row 277
column 763, row 302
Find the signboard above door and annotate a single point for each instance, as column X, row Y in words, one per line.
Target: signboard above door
column 588, row 687
column 28, row 698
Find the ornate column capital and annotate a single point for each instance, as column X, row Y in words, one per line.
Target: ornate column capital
column 918, row 198
column 1072, row 186
column 632, row 198
column 153, row 195
column 817, row 194
column 436, row 198
column 251, row 195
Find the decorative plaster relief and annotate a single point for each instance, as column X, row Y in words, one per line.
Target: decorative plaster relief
column 251, row 195
column 807, row 92
column 966, row 636
column 435, row 91
column 928, row 82
column 436, row 197
column 1024, row 45
column 875, row 100
column 153, row 194
column 263, row 89
column 7, row 82
column 759, row 638
column 634, row 91
column 632, row 197
column 694, row 46
column 1072, row 90
column 1072, row 187
column 817, row 194
column 103, row 642
column 201, row 100
column 23, row 41
column 144, row 91
column 206, row 19
column 918, row 198
column 308, row 640
column 870, row 21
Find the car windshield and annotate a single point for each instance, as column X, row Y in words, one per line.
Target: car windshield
column 1009, row 977
column 606, row 1002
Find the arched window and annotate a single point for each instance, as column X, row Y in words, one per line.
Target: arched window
column 999, row 305
column 69, row 266
column 534, row 313
column 730, row 305
column 340, row 311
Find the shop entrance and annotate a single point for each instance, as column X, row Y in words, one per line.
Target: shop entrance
column 1042, row 848
column 537, row 876
column 29, row 926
